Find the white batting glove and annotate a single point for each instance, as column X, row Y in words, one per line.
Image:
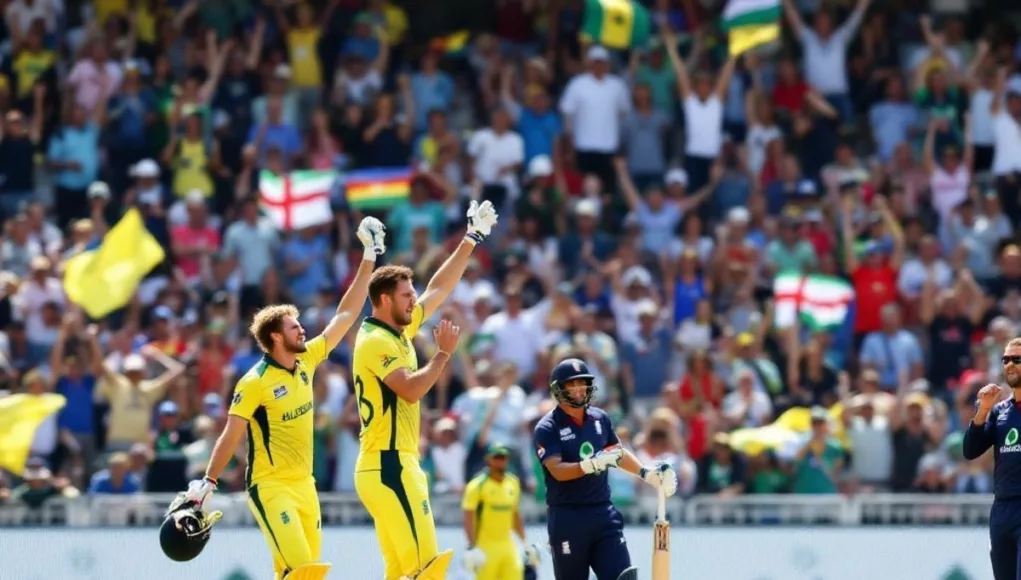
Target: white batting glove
column 474, row 560
column 603, row 460
column 481, row 219
column 198, row 492
column 661, row 476
column 533, row 556
column 371, row 233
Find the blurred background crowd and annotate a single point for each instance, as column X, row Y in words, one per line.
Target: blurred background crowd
column 648, row 198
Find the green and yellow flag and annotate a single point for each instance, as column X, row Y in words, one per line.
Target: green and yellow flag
column 751, row 23
column 616, row 24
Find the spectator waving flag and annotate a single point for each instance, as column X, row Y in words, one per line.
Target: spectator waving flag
column 616, row 23
column 751, row 23
column 20, row 417
column 297, row 200
column 104, row 279
column 820, row 302
column 377, row 188
column 451, row 45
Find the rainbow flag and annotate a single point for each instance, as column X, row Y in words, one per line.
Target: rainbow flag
column 377, row 188
column 451, row 44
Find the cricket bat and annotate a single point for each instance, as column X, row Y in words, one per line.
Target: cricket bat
column 661, row 542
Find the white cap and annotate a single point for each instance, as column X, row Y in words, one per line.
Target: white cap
column 282, row 71
column 99, row 189
column 676, row 175
column 597, row 52
column 483, row 292
column 133, row 363
column 540, row 166
column 587, row 207
column 146, row 168
column 738, row 215
column 637, row 275
column 195, row 197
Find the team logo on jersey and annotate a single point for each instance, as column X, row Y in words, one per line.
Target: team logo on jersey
column 1010, row 444
column 388, row 360
column 425, row 507
column 279, row 392
column 587, row 450
column 541, row 451
column 565, row 434
column 304, row 377
column 236, row 399
column 599, row 428
column 565, row 548
column 577, row 366
column 285, row 518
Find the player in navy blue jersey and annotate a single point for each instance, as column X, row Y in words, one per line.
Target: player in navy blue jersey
column 997, row 425
column 576, row 445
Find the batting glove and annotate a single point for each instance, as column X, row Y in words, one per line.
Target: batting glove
column 198, row 491
column 603, row 460
column 661, row 476
column 474, row 559
column 481, row 219
column 532, row 555
column 371, row 233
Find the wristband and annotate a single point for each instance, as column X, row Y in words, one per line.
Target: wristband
column 369, row 255
column 473, row 237
column 210, row 480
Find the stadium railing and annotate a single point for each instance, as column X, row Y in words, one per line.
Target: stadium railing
column 346, row 509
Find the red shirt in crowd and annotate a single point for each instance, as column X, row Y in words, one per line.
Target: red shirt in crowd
column 790, row 97
column 874, row 288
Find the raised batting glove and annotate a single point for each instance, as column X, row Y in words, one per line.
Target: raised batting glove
column 661, row 476
column 532, row 556
column 371, row 233
column 603, row 460
column 481, row 219
column 474, row 559
column 198, row 491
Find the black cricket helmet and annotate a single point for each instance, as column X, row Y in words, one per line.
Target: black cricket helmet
column 185, row 529
column 569, row 370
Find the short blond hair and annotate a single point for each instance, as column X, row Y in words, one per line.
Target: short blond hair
column 1014, row 342
column 269, row 320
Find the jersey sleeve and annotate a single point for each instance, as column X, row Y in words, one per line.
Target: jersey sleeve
column 611, row 435
column 547, row 442
column 470, row 501
column 417, row 318
column 381, row 356
column 315, row 352
column 247, row 397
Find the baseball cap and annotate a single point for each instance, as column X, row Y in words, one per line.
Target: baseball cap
column 133, row 363
column 146, row 168
column 597, row 52
column 98, row 189
column 676, row 176
column 212, row 404
column 167, row 408
column 498, row 450
column 540, row 166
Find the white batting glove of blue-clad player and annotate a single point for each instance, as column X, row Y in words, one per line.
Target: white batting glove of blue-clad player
column 661, row 476
column 605, row 459
column 372, row 233
column 532, row 556
column 474, row 560
column 481, row 219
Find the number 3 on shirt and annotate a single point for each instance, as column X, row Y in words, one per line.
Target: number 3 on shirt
column 369, row 411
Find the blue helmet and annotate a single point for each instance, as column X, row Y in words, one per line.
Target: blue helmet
column 569, row 370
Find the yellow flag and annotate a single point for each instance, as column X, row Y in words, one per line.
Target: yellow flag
column 20, row 416
column 748, row 37
column 105, row 279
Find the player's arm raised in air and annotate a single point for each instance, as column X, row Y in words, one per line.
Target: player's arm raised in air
column 413, row 385
column 481, row 219
column 981, row 432
column 371, row 233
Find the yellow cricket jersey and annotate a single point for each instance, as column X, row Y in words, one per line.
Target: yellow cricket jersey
column 278, row 405
column 494, row 503
column 302, row 45
column 28, row 66
column 389, row 423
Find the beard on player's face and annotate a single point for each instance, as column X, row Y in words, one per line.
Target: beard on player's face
column 1013, row 376
column 401, row 315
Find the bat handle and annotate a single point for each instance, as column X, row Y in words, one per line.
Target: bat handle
column 661, row 508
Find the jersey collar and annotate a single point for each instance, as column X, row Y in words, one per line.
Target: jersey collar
column 273, row 363
column 377, row 322
column 563, row 417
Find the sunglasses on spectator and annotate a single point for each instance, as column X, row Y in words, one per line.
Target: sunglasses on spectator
column 1011, row 359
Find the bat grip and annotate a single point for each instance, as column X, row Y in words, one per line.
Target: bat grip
column 661, row 508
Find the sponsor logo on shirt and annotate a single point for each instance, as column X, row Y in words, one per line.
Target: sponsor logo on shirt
column 388, row 360
column 565, row 434
column 1010, row 442
column 279, row 392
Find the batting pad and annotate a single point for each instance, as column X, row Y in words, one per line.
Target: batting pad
column 629, row 574
column 315, row 571
column 436, row 569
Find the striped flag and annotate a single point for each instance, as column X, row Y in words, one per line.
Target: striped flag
column 751, row 23
column 297, row 200
column 820, row 302
column 616, row 23
column 377, row 188
column 452, row 44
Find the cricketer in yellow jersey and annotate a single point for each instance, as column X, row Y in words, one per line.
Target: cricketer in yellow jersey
column 273, row 406
column 388, row 385
column 490, row 506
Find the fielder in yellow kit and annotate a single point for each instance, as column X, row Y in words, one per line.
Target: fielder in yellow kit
column 273, row 405
column 491, row 513
column 389, row 385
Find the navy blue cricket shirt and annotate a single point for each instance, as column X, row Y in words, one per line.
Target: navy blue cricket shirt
column 558, row 434
column 1002, row 432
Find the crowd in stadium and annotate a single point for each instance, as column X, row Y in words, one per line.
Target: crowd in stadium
column 648, row 199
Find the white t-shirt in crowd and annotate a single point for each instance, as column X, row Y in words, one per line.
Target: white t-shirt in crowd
column 949, row 189
column 914, row 273
column 595, row 108
column 491, row 152
column 703, row 122
column 983, row 132
column 1007, row 157
column 759, row 137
